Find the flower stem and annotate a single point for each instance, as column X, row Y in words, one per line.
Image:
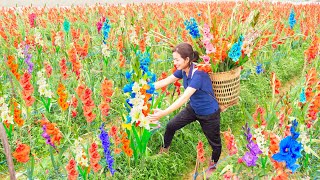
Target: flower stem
column 52, row 159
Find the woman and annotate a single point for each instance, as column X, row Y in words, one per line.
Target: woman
column 202, row 106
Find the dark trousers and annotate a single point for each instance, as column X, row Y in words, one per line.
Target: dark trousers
column 210, row 125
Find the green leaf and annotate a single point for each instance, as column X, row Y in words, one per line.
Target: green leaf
column 137, row 138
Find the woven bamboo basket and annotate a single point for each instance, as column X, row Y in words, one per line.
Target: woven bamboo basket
column 226, row 87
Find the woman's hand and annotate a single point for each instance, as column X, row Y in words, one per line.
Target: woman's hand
column 157, row 115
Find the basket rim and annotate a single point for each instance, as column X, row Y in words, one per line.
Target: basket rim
column 227, row 72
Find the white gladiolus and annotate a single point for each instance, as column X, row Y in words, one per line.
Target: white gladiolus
column 261, row 141
column 105, row 50
column 140, row 16
column 148, row 40
column 38, row 38
column 304, row 139
column 135, row 88
column 81, row 157
column 133, row 36
column 5, row 116
column 58, row 41
column 20, row 52
column 43, row 86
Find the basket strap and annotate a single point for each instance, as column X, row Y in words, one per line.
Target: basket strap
column 193, row 71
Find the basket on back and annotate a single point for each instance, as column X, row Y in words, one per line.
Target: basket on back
column 226, row 87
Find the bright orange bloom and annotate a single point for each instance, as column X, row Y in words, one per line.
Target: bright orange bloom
column 51, row 130
column 275, row 84
column 62, row 97
column 76, row 64
column 312, row 52
column 22, row 153
column 13, row 67
column 126, row 144
column 17, row 115
column 281, row 175
column 122, row 60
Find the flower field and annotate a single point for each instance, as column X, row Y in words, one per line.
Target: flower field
column 77, row 86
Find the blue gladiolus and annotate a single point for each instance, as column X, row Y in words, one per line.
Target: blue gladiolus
column 303, row 98
column 104, row 137
column 259, row 69
column 128, row 119
column 235, row 51
column 128, row 75
column 127, row 88
column 192, row 27
column 66, row 26
column 151, row 90
column 292, row 20
column 105, row 30
column 290, row 149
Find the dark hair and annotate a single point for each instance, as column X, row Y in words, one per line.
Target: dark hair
column 185, row 50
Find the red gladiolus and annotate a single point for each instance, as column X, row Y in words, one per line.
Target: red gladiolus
column 94, row 157
column 230, row 142
column 27, row 89
column 63, row 69
column 72, row 170
column 200, row 152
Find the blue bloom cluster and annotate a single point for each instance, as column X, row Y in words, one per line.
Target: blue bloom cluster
column 192, row 27
column 235, row 51
column 105, row 30
column 292, row 20
column 104, row 137
column 303, row 97
column 66, row 25
column 259, row 69
column 144, row 62
column 290, row 149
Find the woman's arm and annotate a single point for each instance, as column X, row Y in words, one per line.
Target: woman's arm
column 158, row 113
column 165, row 82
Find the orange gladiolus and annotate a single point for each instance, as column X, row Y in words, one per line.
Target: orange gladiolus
column 22, row 153
column 62, row 97
column 51, row 130
column 13, row 67
column 275, row 84
column 126, row 144
column 17, row 115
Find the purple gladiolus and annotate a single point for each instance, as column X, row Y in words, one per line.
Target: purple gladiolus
column 27, row 60
column 46, row 136
column 104, row 137
column 251, row 157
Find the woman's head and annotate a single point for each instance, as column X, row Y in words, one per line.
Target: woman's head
column 183, row 55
